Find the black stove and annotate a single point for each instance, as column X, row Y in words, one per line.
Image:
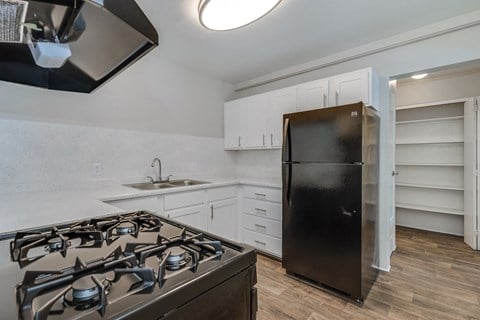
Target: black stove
column 130, row 266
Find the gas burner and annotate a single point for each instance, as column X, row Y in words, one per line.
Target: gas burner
column 86, row 291
column 56, row 243
column 125, row 228
column 177, row 258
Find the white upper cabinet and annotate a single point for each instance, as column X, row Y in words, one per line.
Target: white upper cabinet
column 312, row 95
column 255, row 120
column 234, row 125
column 353, row 87
column 281, row 102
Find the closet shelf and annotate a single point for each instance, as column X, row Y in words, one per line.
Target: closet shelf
column 429, row 164
column 429, row 209
column 406, row 142
column 429, row 120
column 431, row 104
column 412, row 185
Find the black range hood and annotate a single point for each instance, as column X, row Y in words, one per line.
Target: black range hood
column 103, row 36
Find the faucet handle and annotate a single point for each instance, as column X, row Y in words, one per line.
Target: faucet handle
column 168, row 177
column 151, row 179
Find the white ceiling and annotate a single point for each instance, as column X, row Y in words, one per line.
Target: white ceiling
column 297, row 31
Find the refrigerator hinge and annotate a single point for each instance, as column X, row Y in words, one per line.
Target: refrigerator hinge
column 475, row 104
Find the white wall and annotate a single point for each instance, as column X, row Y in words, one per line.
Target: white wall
column 438, row 88
column 451, row 48
column 259, row 164
column 152, row 95
column 40, row 156
column 49, row 140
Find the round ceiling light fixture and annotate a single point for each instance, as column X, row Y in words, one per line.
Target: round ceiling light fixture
column 221, row 15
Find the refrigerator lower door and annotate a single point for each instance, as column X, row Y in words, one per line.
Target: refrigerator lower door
column 322, row 224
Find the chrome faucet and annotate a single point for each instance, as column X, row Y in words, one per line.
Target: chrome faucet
column 159, row 171
column 159, row 168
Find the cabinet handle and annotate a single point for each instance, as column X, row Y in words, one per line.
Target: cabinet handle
column 239, row 142
column 260, row 242
column 336, row 98
column 271, row 139
column 260, row 226
column 211, row 212
column 263, row 139
column 168, row 216
column 261, row 210
column 260, row 194
column 324, row 100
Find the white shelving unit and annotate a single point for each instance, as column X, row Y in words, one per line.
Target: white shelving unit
column 430, row 165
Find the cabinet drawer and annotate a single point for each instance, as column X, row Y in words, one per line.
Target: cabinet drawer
column 184, row 199
column 263, row 209
column 217, row 194
column 262, row 193
column 263, row 242
column 261, row 225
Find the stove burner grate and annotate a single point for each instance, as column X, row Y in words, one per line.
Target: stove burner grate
column 126, row 228
column 56, row 243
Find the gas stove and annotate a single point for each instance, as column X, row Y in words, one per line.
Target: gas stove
column 131, row 266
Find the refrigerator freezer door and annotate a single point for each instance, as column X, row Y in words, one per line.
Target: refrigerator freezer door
column 332, row 135
column 322, row 224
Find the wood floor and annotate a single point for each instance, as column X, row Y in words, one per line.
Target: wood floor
column 433, row 276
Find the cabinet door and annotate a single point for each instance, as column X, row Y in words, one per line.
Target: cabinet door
column 312, row 95
column 256, row 121
column 234, row 122
column 351, row 88
column 281, row 102
column 222, row 219
column 192, row 216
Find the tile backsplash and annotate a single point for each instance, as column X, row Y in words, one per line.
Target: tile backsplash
column 259, row 164
column 40, row 156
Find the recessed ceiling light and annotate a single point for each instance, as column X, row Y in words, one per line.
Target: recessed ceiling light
column 232, row 14
column 419, row 76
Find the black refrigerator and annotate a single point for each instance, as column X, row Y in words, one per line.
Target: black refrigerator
column 329, row 178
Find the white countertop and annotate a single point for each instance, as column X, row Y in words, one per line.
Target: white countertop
column 25, row 210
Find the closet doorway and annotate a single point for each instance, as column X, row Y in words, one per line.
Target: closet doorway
column 436, row 150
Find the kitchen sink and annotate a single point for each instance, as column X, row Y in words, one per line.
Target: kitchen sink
column 186, row 182
column 164, row 185
column 150, row 186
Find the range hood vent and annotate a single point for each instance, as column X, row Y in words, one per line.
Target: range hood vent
column 71, row 45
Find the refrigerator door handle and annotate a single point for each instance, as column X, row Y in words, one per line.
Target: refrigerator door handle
column 286, row 140
column 287, row 174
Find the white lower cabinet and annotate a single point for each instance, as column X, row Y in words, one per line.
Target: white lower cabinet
column 268, row 244
column 222, row 218
column 262, row 219
column 192, row 216
column 261, row 225
column 216, row 211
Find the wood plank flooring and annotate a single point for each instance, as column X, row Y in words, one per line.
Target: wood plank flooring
column 433, row 276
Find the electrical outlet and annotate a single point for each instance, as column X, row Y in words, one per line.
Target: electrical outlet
column 98, row 169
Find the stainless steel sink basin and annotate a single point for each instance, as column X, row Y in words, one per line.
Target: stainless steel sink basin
column 150, row 186
column 186, row 182
column 164, row 185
